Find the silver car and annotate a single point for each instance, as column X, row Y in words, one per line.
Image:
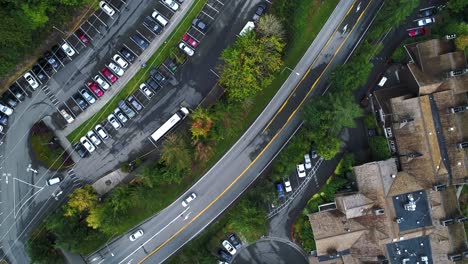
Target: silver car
column 113, row 121
column 122, row 118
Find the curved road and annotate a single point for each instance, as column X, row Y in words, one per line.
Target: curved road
column 173, row 227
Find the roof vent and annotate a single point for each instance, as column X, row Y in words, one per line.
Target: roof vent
column 439, row 187
column 379, row 211
column 457, row 72
column 447, row 222
column 455, row 257
column 462, row 219
column 458, row 109
column 393, row 176
column 463, row 145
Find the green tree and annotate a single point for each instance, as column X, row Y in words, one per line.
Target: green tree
column 379, row 148
column 202, row 121
column 81, row 200
column 269, row 26
column 41, row 247
column 458, row 6
column 175, row 153
column 120, row 200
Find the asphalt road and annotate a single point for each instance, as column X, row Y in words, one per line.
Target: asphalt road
column 171, row 228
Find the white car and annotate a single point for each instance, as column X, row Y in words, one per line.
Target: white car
column 145, row 90
column 314, row 154
column 121, row 62
column 116, row 69
column 172, row 4
column 68, row 50
column 30, row 79
column 136, row 235
column 6, row 110
column 122, row 118
column 113, row 121
column 92, row 136
column 287, row 185
column 189, row 198
column 229, row 247
column 100, row 81
column 186, row 49
column 66, row 116
column 106, row 8
column 101, row 132
column 426, row 21
column 307, row 162
column 87, row 144
column 300, row 170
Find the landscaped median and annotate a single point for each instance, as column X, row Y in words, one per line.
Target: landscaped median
column 158, row 57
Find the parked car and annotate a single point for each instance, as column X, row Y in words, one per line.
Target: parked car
column 87, row 144
column 426, row 21
column 46, row 66
column 106, row 8
column 51, row 59
column 128, row 55
column 261, row 8
column 300, row 170
column 142, row 43
column 159, row 18
column 94, row 87
column 189, row 199
column 314, row 154
column 307, row 162
column 199, row 24
column 186, row 49
column 122, row 118
column 66, row 116
column 134, row 103
column 152, row 25
column 192, row 42
column 102, row 132
column 279, row 187
column 54, row 180
column 235, row 241
column 113, row 121
column 287, row 185
column 450, row 36
column 136, row 235
column 17, row 92
column 30, row 79
column 101, row 82
column 81, row 150
column 109, row 75
column 6, row 110
column 59, row 53
column 416, row 32
column 224, row 255
column 93, row 137
column 121, row 62
column 40, row 74
column 157, row 76
column 146, row 91
column 82, row 36
column 3, row 119
column 10, row 100
column 87, row 96
column 153, row 84
column 230, row 248
column 68, row 49
column 172, row 4
column 116, row 69
column 80, row 101
column 426, row 12
column 128, row 111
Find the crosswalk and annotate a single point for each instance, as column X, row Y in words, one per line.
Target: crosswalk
column 51, row 95
column 74, row 179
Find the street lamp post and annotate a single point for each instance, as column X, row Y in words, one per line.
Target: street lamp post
column 54, row 27
column 287, row 68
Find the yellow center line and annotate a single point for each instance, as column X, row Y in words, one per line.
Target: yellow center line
column 308, row 70
column 261, row 153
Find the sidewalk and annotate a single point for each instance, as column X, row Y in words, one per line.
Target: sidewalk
column 109, row 181
column 131, row 71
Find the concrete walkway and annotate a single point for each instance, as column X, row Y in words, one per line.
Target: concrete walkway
column 108, row 182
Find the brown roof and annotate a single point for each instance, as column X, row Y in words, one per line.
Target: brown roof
column 404, row 183
column 354, row 205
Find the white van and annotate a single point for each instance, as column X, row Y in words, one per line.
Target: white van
column 159, row 18
column 382, row 81
column 55, row 180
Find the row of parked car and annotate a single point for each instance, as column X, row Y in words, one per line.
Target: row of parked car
column 230, row 247
column 426, row 17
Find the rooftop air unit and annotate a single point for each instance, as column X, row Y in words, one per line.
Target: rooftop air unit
column 458, row 109
column 439, row 187
column 447, row 222
column 380, row 211
column 462, row 219
column 457, row 72
column 455, row 257
column 463, row 145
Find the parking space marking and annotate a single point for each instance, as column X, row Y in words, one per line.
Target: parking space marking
column 216, row 10
column 134, row 53
column 21, row 87
column 220, row 2
column 149, row 29
column 94, row 27
column 11, row 93
column 79, row 40
column 170, row 9
column 165, row 66
column 82, row 110
column 69, row 110
column 198, row 30
column 207, row 15
column 100, row 20
column 86, row 33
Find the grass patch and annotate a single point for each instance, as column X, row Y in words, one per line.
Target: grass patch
column 47, row 149
column 158, row 57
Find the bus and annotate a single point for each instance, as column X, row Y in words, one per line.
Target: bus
column 172, row 122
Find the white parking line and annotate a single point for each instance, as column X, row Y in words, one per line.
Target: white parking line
column 69, row 109
column 220, row 2
column 141, row 35
column 144, row 24
column 115, row 8
column 198, row 30
column 134, row 53
column 21, row 87
column 212, row 7
column 164, row 4
column 93, row 27
column 100, row 19
column 207, row 15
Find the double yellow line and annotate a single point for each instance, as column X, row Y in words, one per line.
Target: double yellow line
column 269, row 143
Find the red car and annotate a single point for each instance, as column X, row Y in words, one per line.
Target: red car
column 109, row 75
column 192, row 42
column 82, row 36
column 94, row 87
column 416, row 32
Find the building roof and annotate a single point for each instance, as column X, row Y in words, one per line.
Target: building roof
column 412, row 210
column 354, row 205
column 414, row 250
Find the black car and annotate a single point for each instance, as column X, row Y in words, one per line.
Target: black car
column 81, row 150
column 199, row 24
column 235, row 241
column 260, row 11
column 51, row 59
column 151, row 24
column 224, row 255
column 427, row 12
column 17, row 92
column 10, row 100
column 3, row 119
column 140, row 41
column 45, row 66
column 154, row 85
column 59, row 53
column 80, row 101
column 134, row 103
column 127, row 54
column 40, row 74
column 158, row 76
